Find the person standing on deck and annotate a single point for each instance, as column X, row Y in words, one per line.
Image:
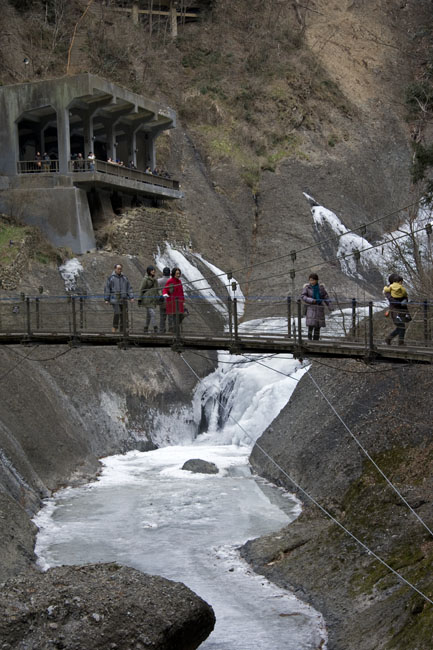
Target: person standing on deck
column 315, row 296
column 117, row 288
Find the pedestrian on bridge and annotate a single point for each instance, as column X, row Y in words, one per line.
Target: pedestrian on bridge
column 149, row 297
column 397, row 298
column 117, row 289
column 174, row 299
column 315, row 296
column 162, row 306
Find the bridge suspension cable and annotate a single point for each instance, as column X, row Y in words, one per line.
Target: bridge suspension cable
column 311, row 498
column 321, row 242
column 338, row 258
column 294, row 253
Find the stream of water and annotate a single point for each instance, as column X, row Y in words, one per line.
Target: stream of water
column 146, row 512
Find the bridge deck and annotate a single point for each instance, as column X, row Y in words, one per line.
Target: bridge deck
column 331, row 349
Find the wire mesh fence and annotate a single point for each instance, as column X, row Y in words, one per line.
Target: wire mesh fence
column 221, row 316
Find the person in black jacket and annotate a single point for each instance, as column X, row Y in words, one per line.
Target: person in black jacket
column 117, row 288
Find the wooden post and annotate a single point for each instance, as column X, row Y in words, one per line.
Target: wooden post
column 124, row 313
column 299, row 321
column 235, row 315
column 173, row 19
column 38, row 317
column 135, row 13
column 353, row 332
column 230, row 310
column 370, row 327
column 81, row 312
column 28, row 317
column 177, row 326
column 74, row 317
column 289, row 316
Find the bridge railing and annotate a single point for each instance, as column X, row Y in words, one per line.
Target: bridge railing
column 219, row 316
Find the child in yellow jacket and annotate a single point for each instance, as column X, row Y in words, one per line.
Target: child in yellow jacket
column 395, row 289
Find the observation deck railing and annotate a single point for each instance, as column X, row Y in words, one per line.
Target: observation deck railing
column 38, row 166
column 111, row 169
column 121, row 171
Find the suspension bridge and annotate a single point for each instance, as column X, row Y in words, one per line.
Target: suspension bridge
column 274, row 326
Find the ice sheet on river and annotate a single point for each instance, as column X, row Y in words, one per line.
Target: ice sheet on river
column 146, row 512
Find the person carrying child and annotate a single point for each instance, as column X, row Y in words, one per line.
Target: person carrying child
column 397, row 298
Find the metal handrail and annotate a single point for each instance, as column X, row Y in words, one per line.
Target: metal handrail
column 37, row 166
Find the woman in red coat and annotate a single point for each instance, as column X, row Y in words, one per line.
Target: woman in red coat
column 174, row 298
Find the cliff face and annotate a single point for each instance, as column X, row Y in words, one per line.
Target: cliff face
column 365, row 605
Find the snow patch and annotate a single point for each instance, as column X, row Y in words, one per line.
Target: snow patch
column 70, row 271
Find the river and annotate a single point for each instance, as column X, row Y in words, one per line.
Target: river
column 145, row 511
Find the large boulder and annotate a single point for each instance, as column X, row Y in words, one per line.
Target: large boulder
column 103, row 607
column 199, row 466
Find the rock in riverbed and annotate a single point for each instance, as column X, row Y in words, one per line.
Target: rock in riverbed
column 103, row 607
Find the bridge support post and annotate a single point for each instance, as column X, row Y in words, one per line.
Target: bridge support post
column 371, row 354
column 289, row 317
column 28, row 317
column 74, row 318
column 125, row 326
column 370, row 327
column 81, row 312
column 299, row 322
column 38, row 315
column 177, row 321
column 353, row 328
column 230, row 311
column 235, row 317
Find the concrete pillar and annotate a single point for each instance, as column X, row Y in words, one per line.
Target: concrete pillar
column 150, row 159
column 133, row 147
column 42, row 139
column 131, row 139
column 111, row 140
column 63, row 139
column 87, row 133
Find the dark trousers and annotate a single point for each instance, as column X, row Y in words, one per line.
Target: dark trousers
column 313, row 333
column 172, row 321
column 117, row 316
column 399, row 331
column 162, row 317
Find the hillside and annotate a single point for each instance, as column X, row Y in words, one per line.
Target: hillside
column 273, row 99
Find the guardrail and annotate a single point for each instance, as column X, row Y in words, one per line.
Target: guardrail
column 121, row 171
column 38, row 166
column 81, row 165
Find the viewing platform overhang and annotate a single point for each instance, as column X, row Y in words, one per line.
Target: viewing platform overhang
column 78, row 114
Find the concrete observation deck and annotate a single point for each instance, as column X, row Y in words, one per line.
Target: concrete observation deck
column 47, row 125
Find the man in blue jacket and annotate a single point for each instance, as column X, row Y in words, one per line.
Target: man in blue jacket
column 117, row 288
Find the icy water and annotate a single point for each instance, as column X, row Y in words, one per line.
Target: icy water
column 148, row 513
